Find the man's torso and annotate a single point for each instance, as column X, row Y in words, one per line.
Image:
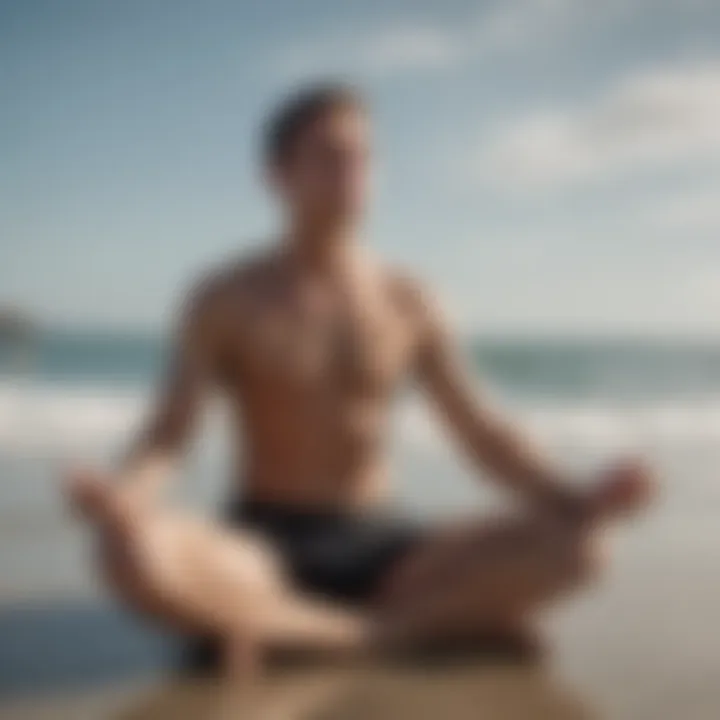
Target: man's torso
column 310, row 369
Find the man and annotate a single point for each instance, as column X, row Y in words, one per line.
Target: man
column 309, row 343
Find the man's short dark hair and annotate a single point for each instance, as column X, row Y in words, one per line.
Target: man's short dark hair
column 292, row 117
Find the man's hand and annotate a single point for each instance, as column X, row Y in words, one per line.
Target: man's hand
column 101, row 498
column 108, row 498
column 624, row 489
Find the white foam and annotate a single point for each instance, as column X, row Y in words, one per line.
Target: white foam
column 58, row 419
column 593, row 425
column 61, row 419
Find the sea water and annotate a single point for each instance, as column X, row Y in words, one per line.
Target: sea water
column 82, row 390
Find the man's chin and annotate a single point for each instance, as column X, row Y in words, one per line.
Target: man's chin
column 343, row 215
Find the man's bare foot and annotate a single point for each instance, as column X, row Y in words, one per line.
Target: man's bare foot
column 516, row 643
column 521, row 645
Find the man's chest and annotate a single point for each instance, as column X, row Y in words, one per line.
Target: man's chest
column 354, row 347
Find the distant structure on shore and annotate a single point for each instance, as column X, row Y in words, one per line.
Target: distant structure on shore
column 16, row 327
column 18, row 341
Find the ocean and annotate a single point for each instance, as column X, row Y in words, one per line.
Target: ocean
column 75, row 389
column 78, row 396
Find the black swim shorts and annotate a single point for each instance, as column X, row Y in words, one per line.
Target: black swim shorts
column 340, row 556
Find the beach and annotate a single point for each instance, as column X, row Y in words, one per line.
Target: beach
column 313, row 209
column 641, row 644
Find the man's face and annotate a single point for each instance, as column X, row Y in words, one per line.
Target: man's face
column 325, row 180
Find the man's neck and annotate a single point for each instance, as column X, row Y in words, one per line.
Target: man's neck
column 322, row 251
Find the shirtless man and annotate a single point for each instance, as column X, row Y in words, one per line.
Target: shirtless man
column 309, row 344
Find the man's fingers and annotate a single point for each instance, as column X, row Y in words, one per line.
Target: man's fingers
column 627, row 487
column 87, row 490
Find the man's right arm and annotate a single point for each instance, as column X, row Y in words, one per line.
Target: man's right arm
column 153, row 456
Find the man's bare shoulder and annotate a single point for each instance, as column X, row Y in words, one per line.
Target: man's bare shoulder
column 412, row 296
column 231, row 281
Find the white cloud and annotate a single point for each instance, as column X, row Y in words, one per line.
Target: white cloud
column 594, row 294
column 513, row 25
column 506, row 26
column 690, row 212
column 385, row 51
column 665, row 118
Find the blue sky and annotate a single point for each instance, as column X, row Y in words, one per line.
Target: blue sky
column 549, row 165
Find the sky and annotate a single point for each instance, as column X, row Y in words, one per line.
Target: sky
column 549, row 166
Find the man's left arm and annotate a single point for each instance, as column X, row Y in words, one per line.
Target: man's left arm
column 491, row 441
